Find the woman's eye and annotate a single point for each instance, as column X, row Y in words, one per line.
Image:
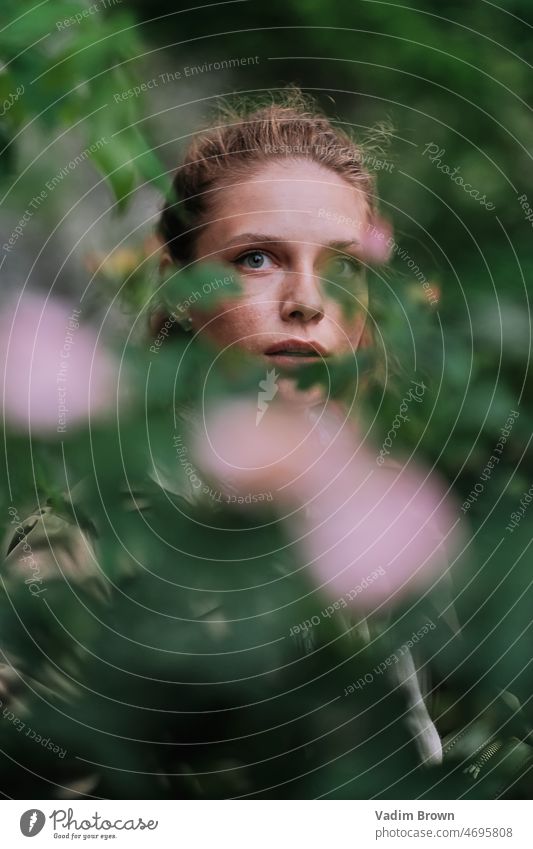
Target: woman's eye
column 254, row 261
column 343, row 266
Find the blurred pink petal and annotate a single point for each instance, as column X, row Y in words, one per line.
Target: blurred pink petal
column 356, row 517
column 377, row 241
column 253, row 456
column 56, row 371
column 373, row 517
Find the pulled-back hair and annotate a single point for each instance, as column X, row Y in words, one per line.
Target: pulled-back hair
column 242, row 140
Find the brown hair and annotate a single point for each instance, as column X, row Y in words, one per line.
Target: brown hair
column 243, row 139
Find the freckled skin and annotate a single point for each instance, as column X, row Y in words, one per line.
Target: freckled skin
column 301, row 207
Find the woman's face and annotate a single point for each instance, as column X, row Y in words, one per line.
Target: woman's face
column 285, row 230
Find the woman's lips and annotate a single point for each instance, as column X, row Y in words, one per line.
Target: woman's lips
column 291, row 352
column 289, row 360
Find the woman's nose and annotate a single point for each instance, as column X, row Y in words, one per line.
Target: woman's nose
column 301, row 298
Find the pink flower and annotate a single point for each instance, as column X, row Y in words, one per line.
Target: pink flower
column 377, row 241
column 395, row 520
column 56, row 372
column 350, row 516
column 281, row 452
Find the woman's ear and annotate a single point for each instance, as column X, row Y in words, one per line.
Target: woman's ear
column 159, row 315
column 165, row 260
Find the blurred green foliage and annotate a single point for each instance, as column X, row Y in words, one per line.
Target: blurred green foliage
column 68, row 73
column 130, row 680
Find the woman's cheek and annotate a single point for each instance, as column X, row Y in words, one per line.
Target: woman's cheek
column 231, row 321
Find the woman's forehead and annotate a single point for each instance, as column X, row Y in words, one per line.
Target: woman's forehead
column 299, row 181
column 302, row 201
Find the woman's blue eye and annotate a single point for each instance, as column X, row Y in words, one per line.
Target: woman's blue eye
column 254, row 260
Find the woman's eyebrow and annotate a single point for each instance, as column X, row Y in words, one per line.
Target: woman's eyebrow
column 249, row 238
